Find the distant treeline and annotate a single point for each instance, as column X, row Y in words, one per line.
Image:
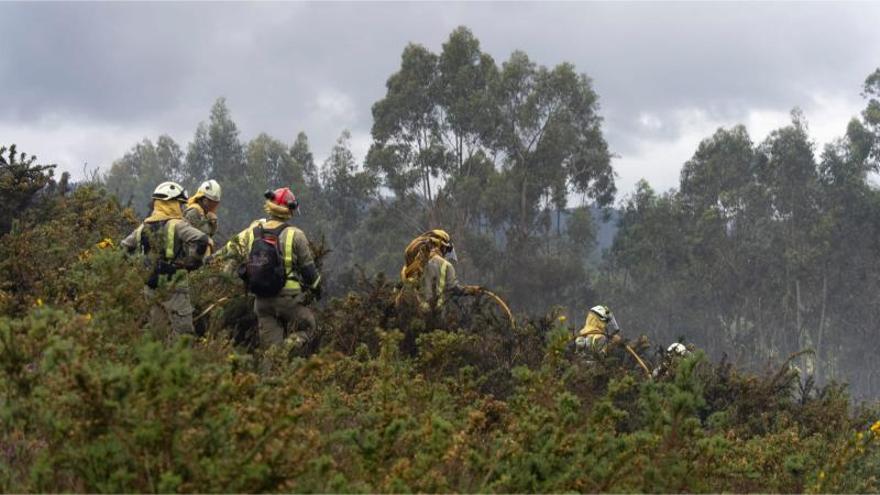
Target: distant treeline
column 764, row 249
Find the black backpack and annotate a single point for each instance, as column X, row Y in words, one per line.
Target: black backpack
column 263, row 272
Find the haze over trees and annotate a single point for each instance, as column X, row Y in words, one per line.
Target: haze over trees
column 767, row 247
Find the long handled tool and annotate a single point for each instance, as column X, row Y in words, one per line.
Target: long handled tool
column 631, row 351
column 639, row 360
column 497, row 299
column 210, row 308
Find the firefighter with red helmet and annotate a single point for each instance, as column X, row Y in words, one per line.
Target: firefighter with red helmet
column 279, row 269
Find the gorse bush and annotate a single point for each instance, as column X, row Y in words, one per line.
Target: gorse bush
column 390, row 400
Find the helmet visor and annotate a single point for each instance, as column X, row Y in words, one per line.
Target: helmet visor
column 451, row 255
column 612, row 325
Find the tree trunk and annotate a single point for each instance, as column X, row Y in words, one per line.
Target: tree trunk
column 820, row 363
column 460, row 154
column 797, row 314
column 558, row 222
column 522, row 208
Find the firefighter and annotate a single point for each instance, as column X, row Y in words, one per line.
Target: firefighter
column 201, row 209
column 172, row 247
column 593, row 337
column 280, row 271
column 428, row 269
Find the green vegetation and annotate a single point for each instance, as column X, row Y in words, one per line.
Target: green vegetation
column 764, row 251
column 95, row 400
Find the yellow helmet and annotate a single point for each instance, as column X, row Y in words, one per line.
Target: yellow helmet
column 440, row 235
column 417, row 252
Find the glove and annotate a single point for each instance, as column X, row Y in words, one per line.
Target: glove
column 317, row 292
column 190, row 263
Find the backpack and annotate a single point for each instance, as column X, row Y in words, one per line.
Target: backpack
column 164, row 265
column 263, row 272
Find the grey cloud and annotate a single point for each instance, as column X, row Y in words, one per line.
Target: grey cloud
column 160, row 66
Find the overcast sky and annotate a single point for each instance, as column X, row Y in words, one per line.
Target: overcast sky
column 81, row 83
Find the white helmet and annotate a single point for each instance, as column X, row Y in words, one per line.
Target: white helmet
column 677, row 348
column 210, row 189
column 602, row 312
column 170, row 190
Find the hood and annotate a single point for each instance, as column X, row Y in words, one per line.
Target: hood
column 164, row 209
column 278, row 212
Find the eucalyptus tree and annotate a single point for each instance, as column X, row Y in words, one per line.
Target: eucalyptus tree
column 406, row 149
column 437, row 119
column 348, row 191
column 216, row 152
column 304, row 160
column 646, row 272
column 270, row 164
column 729, row 219
column 467, row 114
column 551, row 139
column 133, row 177
column 871, row 114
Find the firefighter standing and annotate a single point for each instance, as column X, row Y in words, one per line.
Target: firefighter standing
column 280, row 270
column 201, row 209
column 172, row 248
column 593, row 336
column 428, row 270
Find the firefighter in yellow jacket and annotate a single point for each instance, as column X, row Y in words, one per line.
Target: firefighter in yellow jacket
column 594, row 335
column 280, row 270
column 172, row 248
column 201, row 208
column 428, row 270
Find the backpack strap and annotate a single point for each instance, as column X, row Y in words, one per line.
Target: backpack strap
column 292, row 282
column 250, row 235
column 288, row 251
column 249, row 239
column 138, row 234
column 170, row 225
column 277, row 231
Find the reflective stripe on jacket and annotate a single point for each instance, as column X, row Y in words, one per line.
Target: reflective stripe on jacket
column 437, row 279
column 170, row 226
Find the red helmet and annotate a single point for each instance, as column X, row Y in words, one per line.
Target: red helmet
column 282, row 196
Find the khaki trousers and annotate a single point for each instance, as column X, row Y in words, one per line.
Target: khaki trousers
column 283, row 316
column 175, row 312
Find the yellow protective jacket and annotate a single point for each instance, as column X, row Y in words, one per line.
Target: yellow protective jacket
column 434, row 281
column 206, row 221
column 175, row 242
column 594, row 331
column 196, row 216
